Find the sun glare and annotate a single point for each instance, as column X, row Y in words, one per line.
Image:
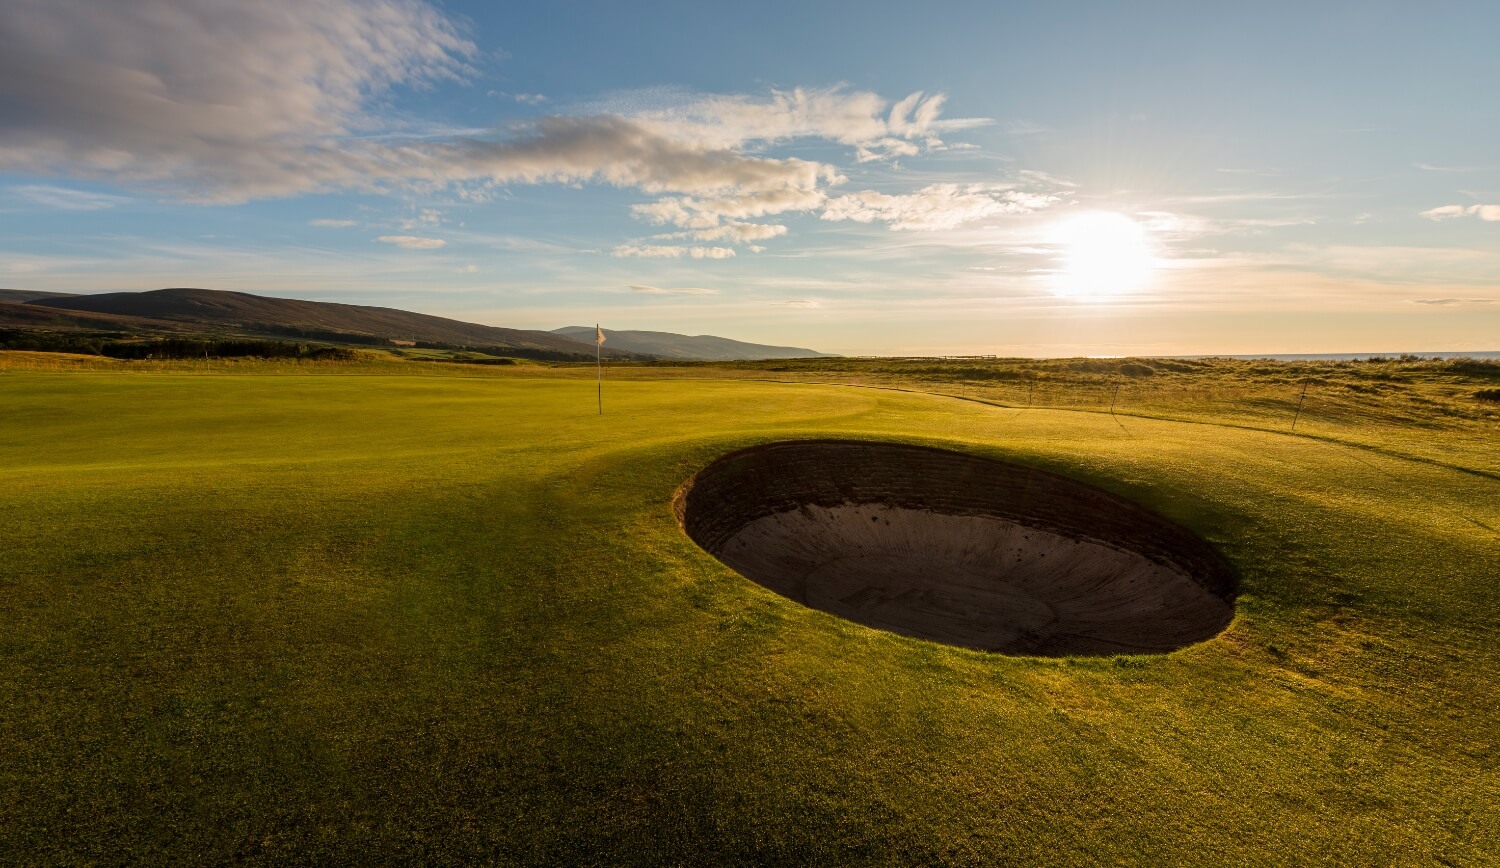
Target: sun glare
column 1105, row 255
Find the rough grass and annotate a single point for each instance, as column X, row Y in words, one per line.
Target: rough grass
column 275, row 618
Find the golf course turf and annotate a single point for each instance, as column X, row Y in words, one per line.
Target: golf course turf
column 282, row 617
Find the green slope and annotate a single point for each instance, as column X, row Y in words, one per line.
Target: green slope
column 386, row 618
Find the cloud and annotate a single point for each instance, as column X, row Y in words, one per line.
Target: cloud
column 707, row 213
column 657, row 251
column 68, row 199
column 1489, row 213
column 681, row 290
column 469, row 269
column 680, row 212
column 1037, row 178
column 206, row 99
column 937, row 206
column 1027, row 128
column 412, row 242
column 1445, row 212
column 426, row 218
column 1259, row 173
column 1169, row 225
column 219, row 102
column 213, row 101
column 740, row 232
column 622, row 152
column 875, row 127
column 1237, row 197
column 1451, row 301
column 333, row 224
column 522, row 98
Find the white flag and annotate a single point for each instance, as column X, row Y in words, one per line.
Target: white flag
column 598, row 334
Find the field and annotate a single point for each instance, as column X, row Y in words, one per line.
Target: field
column 391, row 611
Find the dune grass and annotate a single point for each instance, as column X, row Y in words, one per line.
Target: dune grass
column 278, row 615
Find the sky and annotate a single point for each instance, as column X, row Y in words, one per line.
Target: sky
column 1045, row 179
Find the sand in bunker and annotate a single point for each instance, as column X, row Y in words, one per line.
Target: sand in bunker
column 962, row 550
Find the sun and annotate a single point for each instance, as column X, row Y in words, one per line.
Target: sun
column 1105, row 255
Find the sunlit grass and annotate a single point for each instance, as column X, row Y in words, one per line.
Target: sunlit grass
column 449, row 617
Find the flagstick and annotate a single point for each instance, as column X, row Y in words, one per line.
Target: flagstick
column 1300, row 398
column 599, row 371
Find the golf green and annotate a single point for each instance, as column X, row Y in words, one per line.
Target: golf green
column 403, row 618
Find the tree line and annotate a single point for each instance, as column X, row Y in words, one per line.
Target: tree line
column 120, row 346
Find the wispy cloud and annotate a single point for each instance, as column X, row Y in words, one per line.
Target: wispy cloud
column 1260, row 173
column 68, row 199
column 425, row 219
column 680, row 290
column 1450, row 267
column 1451, row 212
column 333, row 224
column 1178, row 226
column 873, row 126
column 1428, row 167
column 1451, row 301
column 1045, row 180
column 937, row 206
column 738, row 231
column 672, row 251
column 412, row 242
column 707, row 213
column 1026, row 128
column 1237, row 197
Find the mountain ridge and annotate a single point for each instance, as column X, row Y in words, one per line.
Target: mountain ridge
column 170, row 309
column 21, row 296
column 670, row 345
column 180, row 311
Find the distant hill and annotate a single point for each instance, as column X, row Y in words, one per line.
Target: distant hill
column 667, row 345
column 21, row 295
column 172, row 309
column 185, row 311
column 16, row 314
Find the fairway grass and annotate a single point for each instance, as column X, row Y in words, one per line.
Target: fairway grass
column 282, row 617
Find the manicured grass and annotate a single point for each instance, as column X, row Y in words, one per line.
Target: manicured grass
column 273, row 617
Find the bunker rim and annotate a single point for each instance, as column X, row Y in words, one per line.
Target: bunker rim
column 957, row 548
